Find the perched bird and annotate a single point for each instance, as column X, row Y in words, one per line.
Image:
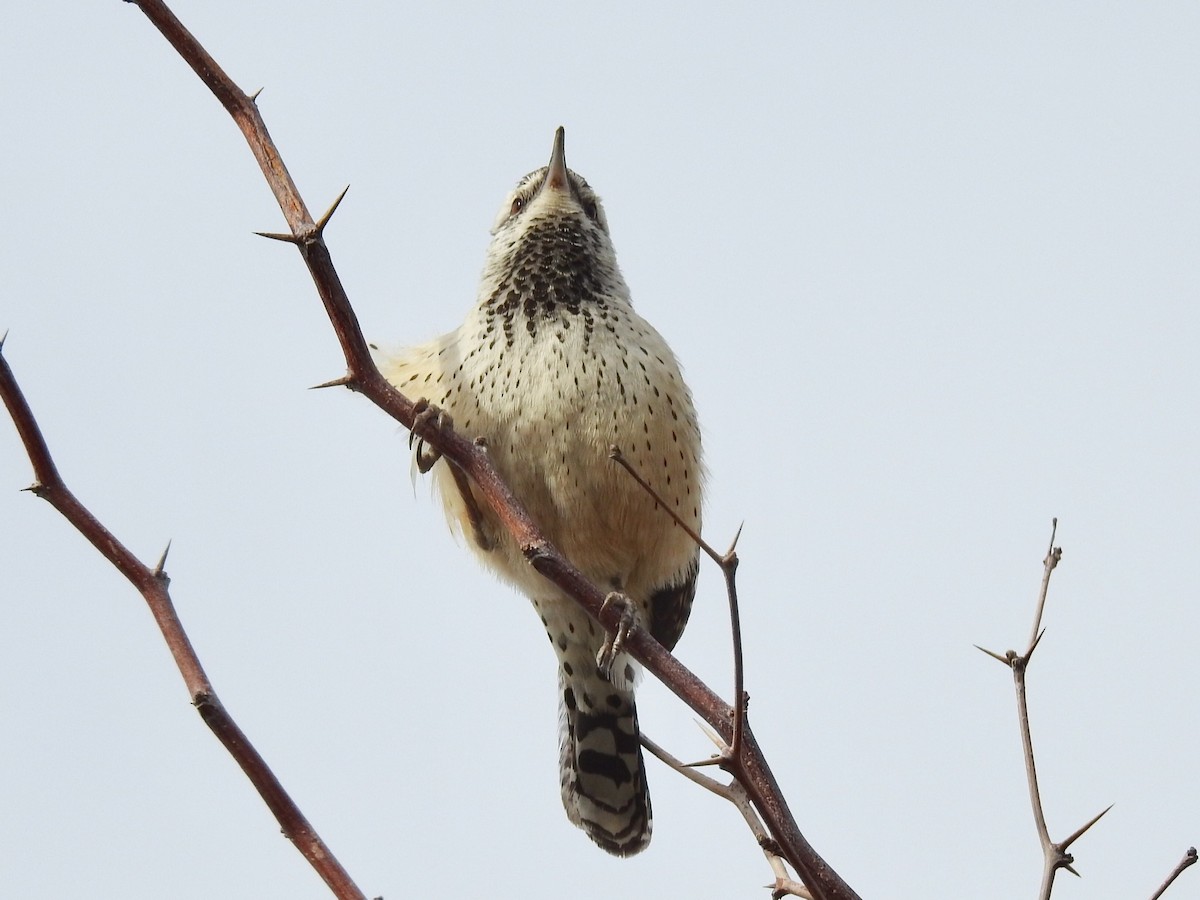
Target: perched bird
column 553, row 367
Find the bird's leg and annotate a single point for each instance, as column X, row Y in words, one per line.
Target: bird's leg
column 614, row 643
column 479, row 530
column 430, row 418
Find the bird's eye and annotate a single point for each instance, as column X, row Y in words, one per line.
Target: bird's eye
column 589, row 209
column 517, row 205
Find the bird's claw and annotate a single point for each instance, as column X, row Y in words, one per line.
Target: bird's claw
column 615, row 643
column 427, row 419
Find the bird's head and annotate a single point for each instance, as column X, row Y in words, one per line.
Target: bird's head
column 551, row 192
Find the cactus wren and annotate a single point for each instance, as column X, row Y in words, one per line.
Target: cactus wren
column 552, row 367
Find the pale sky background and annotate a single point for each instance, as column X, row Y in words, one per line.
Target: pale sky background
column 932, row 272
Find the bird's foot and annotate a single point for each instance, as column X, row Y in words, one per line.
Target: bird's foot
column 615, row 643
column 428, row 419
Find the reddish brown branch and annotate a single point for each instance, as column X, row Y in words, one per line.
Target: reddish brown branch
column 748, row 766
column 152, row 583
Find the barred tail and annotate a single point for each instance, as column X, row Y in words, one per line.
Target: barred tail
column 601, row 773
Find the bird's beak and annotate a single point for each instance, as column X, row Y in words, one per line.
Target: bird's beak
column 556, row 171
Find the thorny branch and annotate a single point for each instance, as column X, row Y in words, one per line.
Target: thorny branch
column 745, row 760
column 1054, row 854
column 152, row 583
column 785, row 885
column 728, row 561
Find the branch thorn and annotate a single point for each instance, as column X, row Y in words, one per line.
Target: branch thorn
column 724, row 754
column 342, row 381
column 159, row 569
column 324, row 220
column 1037, row 640
column 277, row 236
column 701, row 763
column 737, row 536
column 254, row 97
column 1083, row 828
column 992, row 654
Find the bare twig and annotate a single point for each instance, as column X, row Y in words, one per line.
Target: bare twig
column 153, row 583
column 1054, row 854
column 728, row 562
column 1189, row 859
column 785, row 885
column 1053, row 555
column 615, row 454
